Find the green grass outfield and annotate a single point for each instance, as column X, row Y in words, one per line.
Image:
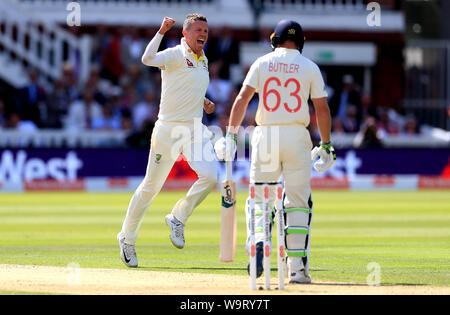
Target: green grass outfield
column 406, row 233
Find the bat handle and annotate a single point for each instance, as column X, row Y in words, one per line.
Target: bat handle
column 229, row 170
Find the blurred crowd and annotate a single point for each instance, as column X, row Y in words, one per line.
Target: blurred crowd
column 122, row 94
column 353, row 111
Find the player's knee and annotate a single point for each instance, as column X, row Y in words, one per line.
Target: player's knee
column 210, row 177
column 297, row 196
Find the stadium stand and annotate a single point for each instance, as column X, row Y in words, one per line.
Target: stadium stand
column 51, row 70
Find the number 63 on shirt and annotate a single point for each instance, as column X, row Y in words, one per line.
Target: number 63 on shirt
column 293, row 87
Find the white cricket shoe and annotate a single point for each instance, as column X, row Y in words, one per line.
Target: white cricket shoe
column 127, row 253
column 177, row 231
column 296, row 270
column 299, row 277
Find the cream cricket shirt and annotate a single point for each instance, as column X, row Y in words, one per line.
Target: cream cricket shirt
column 185, row 79
column 285, row 80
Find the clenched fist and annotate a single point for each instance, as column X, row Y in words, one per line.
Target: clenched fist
column 166, row 25
column 209, row 106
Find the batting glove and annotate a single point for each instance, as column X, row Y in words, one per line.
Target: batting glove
column 225, row 147
column 325, row 153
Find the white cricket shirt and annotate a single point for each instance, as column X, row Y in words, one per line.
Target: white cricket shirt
column 185, row 79
column 285, row 80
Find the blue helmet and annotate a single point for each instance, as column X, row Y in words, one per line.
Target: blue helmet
column 287, row 29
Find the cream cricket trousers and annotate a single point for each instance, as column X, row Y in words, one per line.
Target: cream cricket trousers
column 283, row 150
column 169, row 139
column 286, row 150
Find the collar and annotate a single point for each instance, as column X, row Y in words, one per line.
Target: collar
column 191, row 52
column 287, row 50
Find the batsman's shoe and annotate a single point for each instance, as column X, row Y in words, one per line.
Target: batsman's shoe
column 299, row 277
column 127, row 253
column 259, row 260
column 177, row 231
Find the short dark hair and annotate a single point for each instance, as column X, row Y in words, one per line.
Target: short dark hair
column 191, row 18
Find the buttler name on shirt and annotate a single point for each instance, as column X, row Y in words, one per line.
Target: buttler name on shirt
column 283, row 67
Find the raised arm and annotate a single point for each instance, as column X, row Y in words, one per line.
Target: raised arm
column 151, row 57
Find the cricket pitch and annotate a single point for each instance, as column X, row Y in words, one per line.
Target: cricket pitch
column 89, row 281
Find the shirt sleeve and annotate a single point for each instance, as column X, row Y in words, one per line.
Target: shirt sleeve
column 252, row 78
column 317, row 84
column 164, row 59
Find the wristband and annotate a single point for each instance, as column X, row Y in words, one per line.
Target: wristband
column 328, row 148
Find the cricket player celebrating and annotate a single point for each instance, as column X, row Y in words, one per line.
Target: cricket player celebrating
column 285, row 80
column 185, row 79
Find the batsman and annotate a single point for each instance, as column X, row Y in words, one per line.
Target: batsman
column 281, row 144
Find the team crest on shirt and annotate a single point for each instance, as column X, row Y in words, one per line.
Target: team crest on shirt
column 189, row 63
column 204, row 64
column 158, row 158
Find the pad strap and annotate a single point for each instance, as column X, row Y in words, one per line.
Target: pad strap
column 297, row 230
column 296, row 252
column 297, row 209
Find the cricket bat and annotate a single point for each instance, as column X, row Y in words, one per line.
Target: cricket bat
column 228, row 231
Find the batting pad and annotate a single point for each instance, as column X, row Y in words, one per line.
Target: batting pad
column 298, row 223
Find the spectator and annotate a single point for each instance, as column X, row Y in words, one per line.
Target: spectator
column 350, row 121
column 129, row 98
column 133, row 79
column 224, row 109
column 101, row 87
column 368, row 108
column 386, row 125
column 112, row 63
column 223, row 47
column 411, row 127
column 109, row 120
column 338, row 126
column 126, row 121
column 31, row 100
column 219, row 89
column 70, row 82
column 116, row 100
column 211, row 45
column 132, row 46
column 368, row 137
column 145, row 110
column 83, row 112
column 101, row 40
column 15, row 122
column 348, row 95
column 57, row 105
